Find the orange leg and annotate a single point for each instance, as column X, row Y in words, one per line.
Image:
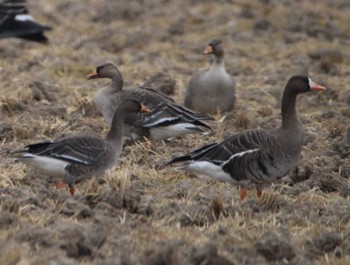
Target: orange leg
column 259, row 190
column 60, row 185
column 242, row 193
column 259, row 193
column 72, row 190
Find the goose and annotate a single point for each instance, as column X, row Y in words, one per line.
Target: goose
column 166, row 118
column 77, row 158
column 16, row 22
column 255, row 156
column 211, row 89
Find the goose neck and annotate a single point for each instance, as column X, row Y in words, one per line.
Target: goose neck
column 115, row 134
column 218, row 63
column 117, row 83
column 289, row 113
column 219, row 59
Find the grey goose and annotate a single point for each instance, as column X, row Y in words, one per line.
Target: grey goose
column 212, row 90
column 255, row 156
column 16, row 22
column 166, row 118
column 74, row 159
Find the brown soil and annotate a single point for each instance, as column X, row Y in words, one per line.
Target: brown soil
column 141, row 212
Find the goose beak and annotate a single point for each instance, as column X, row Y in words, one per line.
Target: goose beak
column 144, row 109
column 208, row 50
column 318, row 87
column 315, row 87
column 92, row 75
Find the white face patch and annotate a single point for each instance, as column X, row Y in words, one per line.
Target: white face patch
column 314, row 86
column 311, row 83
column 24, row 18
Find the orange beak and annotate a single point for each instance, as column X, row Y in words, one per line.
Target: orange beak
column 92, row 75
column 318, row 87
column 315, row 87
column 144, row 109
column 208, row 50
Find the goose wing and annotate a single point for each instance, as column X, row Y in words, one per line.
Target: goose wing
column 16, row 22
column 164, row 111
column 78, row 150
column 156, row 93
column 9, row 9
column 237, row 145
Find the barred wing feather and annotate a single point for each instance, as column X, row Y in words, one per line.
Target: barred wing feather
column 83, row 150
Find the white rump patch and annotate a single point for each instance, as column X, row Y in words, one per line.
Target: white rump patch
column 174, row 130
column 46, row 165
column 211, row 170
column 24, row 18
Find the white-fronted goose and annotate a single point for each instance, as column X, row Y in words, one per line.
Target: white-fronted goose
column 16, row 22
column 256, row 156
column 74, row 159
column 166, row 118
column 212, row 90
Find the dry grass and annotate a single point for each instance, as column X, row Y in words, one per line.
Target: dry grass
column 142, row 210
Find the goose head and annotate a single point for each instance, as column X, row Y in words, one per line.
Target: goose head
column 214, row 47
column 107, row 70
column 301, row 84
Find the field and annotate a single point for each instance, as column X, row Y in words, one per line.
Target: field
column 143, row 212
